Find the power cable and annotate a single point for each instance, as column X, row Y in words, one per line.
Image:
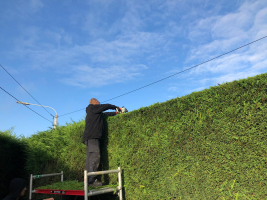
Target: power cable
column 24, row 89
column 176, row 73
column 25, row 105
column 70, row 112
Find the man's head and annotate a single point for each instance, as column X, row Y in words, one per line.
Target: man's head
column 94, row 101
column 17, row 187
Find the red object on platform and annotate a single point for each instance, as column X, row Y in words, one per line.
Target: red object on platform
column 60, row 192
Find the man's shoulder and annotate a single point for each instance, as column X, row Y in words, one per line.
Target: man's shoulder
column 92, row 106
column 94, row 109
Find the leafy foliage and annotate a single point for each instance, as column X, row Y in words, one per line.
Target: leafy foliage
column 207, row 145
column 12, row 159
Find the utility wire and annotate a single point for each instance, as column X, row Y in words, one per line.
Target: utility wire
column 24, row 89
column 70, row 112
column 25, row 105
column 176, row 73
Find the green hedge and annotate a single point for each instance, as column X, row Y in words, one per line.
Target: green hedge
column 207, row 145
column 58, row 150
column 12, row 159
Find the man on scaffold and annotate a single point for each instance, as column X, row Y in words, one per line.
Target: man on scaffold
column 92, row 134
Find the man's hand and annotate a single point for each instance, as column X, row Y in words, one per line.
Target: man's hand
column 49, row 199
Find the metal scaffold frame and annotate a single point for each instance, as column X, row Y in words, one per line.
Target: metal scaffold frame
column 40, row 176
column 102, row 190
column 86, row 193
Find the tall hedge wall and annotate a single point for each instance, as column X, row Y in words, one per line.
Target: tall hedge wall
column 207, row 145
column 12, row 159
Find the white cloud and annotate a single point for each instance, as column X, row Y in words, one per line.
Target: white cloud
column 127, row 18
column 18, row 10
column 124, row 52
column 232, row 25
column 29, row 86
column 10, row 70
column 35, row 5
column 68, row 39
column 85, row 76
column 229, row 32
column 134, row 38
column 226, row 31
column 121, row 41
column 104, row 3
column 233, row 76
column 131, row 22
column 172, row 89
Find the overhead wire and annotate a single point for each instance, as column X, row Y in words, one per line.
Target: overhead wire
column 70, row 112
column 175, row 73
column 25, row 105
column 24, row 89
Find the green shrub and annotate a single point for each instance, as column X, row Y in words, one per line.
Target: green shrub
column 207, row 145
column 12, row 159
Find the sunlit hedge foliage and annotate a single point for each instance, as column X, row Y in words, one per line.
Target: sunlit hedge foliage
column 207, row 145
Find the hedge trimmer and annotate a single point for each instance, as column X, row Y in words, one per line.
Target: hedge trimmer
column 121, row 110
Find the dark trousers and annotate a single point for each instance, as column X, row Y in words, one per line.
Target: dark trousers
column 92, row 158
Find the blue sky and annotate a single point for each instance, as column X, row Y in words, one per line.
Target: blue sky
column 66, row 52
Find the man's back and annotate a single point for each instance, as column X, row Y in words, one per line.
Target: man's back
column 94, row 122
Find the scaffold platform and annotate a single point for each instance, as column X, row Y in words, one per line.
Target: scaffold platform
column 86, row 193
